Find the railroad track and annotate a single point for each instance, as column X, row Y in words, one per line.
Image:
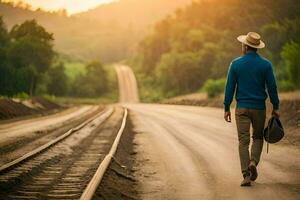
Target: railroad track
column 70, row 167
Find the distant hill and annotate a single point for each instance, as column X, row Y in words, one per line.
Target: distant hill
column 108, row 33
column 67, row 38
column 138, row 13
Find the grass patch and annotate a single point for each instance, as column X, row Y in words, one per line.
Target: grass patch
column 77, row 101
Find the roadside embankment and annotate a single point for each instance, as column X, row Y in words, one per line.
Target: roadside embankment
column 13, row 108
column 289, row 109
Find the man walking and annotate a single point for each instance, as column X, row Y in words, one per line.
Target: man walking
column 250, row 75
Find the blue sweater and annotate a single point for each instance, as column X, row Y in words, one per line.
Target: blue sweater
column 250, row 75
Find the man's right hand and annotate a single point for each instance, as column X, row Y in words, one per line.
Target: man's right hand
column 275, row 113
column 227, row 116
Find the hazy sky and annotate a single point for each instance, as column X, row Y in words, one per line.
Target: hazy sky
column 72, row 6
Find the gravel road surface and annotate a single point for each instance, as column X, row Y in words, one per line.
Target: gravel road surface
column 187, row 152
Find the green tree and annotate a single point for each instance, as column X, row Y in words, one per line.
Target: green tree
column 97, row 77
column 4, row 38
column 58, row 80
column 291, row 55
column 214, row 88
column 154, row 46
column 275, row 35
column 32, row 49
column 194, row 40
column 93, row 84
column 179, row 72
column 6, row 85
column 32, row 29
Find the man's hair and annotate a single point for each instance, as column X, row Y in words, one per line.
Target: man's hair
column 251, row 48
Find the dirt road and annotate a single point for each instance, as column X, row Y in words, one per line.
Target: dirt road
column 191, row 153
column 128, row 91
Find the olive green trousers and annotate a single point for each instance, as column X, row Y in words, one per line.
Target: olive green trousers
column 244, row 119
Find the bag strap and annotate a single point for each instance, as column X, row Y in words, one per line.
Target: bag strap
column 268, row 142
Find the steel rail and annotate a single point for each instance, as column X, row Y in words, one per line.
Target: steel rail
column 6, row 167
column 97, row 178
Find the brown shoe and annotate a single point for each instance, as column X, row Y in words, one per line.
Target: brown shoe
column 253, row 171
column 246, row 182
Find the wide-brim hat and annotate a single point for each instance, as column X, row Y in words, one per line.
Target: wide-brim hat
column 252, row 39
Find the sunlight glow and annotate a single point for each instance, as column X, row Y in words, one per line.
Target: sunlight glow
column 72, row 6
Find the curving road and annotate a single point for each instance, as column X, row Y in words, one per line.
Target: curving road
column 187, row 152
column 128, row 91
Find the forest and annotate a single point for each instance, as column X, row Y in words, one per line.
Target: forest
column 30, row 66
column 192, row 49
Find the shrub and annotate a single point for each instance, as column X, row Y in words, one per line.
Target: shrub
column 285, row 86
column 290, row 55
column 214, row 88
column 21, row 95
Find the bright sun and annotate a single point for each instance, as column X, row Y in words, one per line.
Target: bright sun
column 72, row 6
